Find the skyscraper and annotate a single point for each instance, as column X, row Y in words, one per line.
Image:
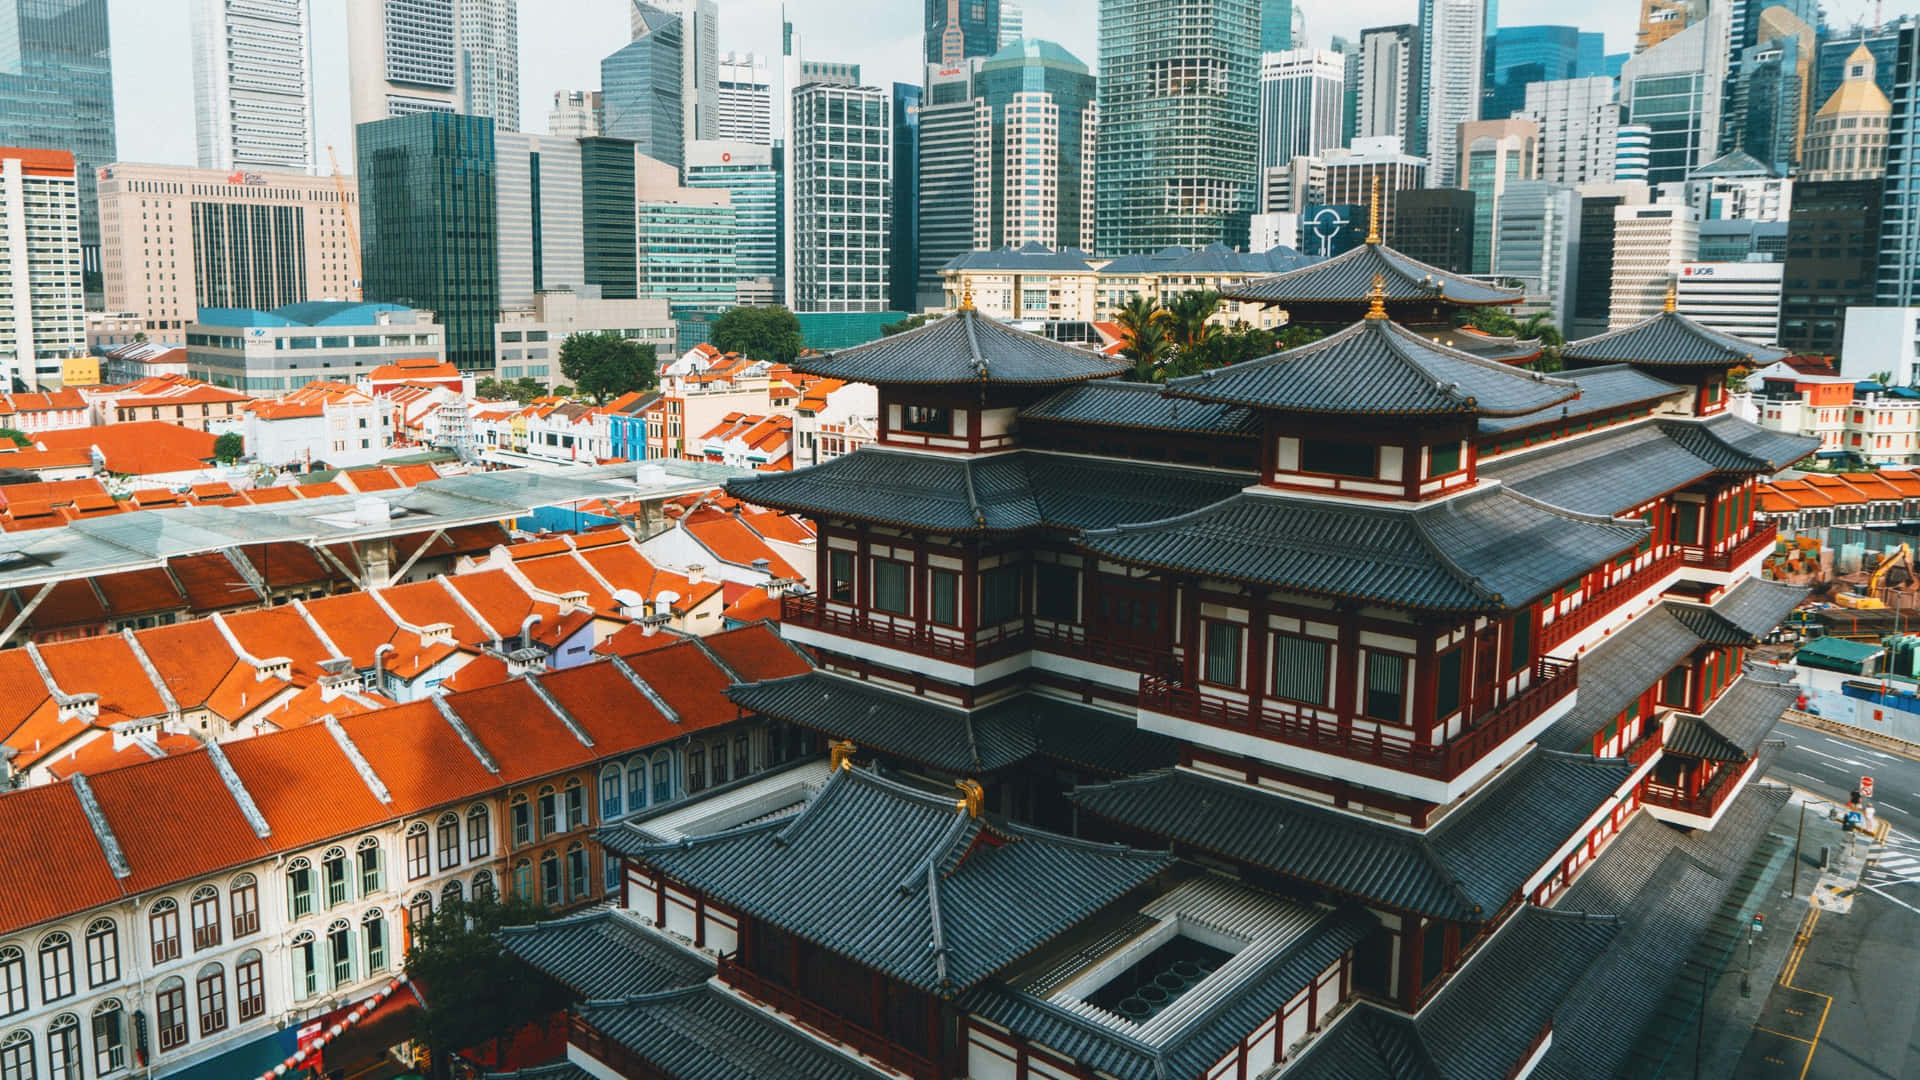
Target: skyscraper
column 1179, row 109
column 1519, row 55
column 1593, row 273
column 1013, row 22
column 1767, row 90
column 840, row 197
column 537, row 211
column 1276, row 25
column 749, row 173
column 1301, row 94
column 686, row 239
column 1039, row 124
column 1494, row 153
column 1833, row 233
column 42, row 308
column 957, row 29
column 1832, row 55
column 1667, row 89
column 1848, row 137
column 1390, row 82
column 1897, row 285
column 949, row 144
column 253, row 84
column 576, row 113
column 642, row 88
column 1538, row 243
column 429, row 235
column 410, row 56
column 905, row 253
column 1453, row 37
column 1579, row 129
column 746, row 99
column 699, row 60
column 1650, row 242
column 1435, row 226
column 56, row 92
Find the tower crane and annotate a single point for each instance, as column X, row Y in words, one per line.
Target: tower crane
column 347, row 214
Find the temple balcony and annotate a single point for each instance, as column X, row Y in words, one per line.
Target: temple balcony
column 1700, row 793
column 823, row 1022
column 1360, row 749
column 1732, row 563
column 952, row 655
column 1597, row 606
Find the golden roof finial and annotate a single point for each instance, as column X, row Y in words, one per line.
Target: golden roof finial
column 1373, row 216
column 840, row 754
column 972, row 797
column 1377, row 297
column 1673, row 295
column 966, row 297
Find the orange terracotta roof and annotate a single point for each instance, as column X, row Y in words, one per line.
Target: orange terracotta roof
column 104, row 665
column 48, row 491
column 211, row 582
column 627, row 568
column 193, row 659
column 51, row 862
column 484, row 669
column 257, row 496
column 68, row 603
column 207, row 493
column 154, row 498
column 136, row 592
column 287, row 564
column 318, row 491
column 145, row 448
column 777, row 526
column 499, row 599
column 311, row 703
column 97, row 755
column 519, row 730
column 1775, row 503
column 427, row 602
column 356, row 623
column 418, row 755
column 731, row 541
column 563, row 573
column 288, row 773
column 273, row 632
column 36, row 459
column 612, row 710
column 753, row 606
column 367, row 480
column 691, row 684
column 153, row 807
column 755, row 652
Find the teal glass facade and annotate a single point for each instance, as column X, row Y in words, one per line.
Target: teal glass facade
column 754, row 188
column 428, row 232
column 607, row 217
column 56, row 92
column 1179, row 112
column 641, row 90
column 957, row 29
column 1037, row 79
column 688, row 254
column 1518, row 55
column 1669, row 105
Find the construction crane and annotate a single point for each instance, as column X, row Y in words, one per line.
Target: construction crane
column 347, row 215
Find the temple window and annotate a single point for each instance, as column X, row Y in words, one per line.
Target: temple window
column 1222, row 660
column 999, row 595
column 1056, row 592
column 890, row 586
column 1300, row 669
column 926, row 419
column 1442, row 460
column 840, row 576
column 1386, row 696
column 1447, row 684
column 1338, row 458
column 943, row 597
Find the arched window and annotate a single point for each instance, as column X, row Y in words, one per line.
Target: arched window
column 373, row 937
column 367, row 854
column 63, row 1047
column 340, row 952
column 163, row 925
column 250, row 985
column 453, row 890
column 636, row 783
column 577, row 877
column 16, row 1055
column 611, row 789
column 333, row 874
column 662, row 769
column 56, row 967
column 306, row 965
column 419, row 863
column 299, row 889
column 13, row 980
column 419, row 909
column 204, row 911
column 170, row 1011
column 210, row 993
column 549, row 811
column 109, row 1037
column 447, row 837
column 103, row 952
column 550, row 886
column 574, row 798
column 483, row 888
column 243, row 895
column 479, row 832
column 522, row 815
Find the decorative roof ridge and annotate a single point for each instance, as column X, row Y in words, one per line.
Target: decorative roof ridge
column 980, row 363
column 110, row 846
column 695, row 990
column 592, row 914
column 243, row 798
column 460, row 728
column 558, row 710
column 1152, row 775
column 358, row 760
column 1418, row 521
column 973, row 498
column 1504, row 488
column 1177, row 519
column 646, row 689
column 706, row 650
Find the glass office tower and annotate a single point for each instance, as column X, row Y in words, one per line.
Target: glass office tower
column 56, row 93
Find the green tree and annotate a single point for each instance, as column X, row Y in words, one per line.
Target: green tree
column 229, row 447
column 909, row 323
column 605, row 365
column 1188, row 318
column 20, row 438
column 1540, row 325
column 758, row 333
column 522, row 390
column 1144, row 340
column 476, row 990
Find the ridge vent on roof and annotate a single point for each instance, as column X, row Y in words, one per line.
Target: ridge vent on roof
column 559, row 710
column 466, row 734
column 471, row 611
column 640, row 684
column 153, row 673
column 248, row 808
column 313, row 624
column 46, row 675
column 102, row 828
column 359, row 760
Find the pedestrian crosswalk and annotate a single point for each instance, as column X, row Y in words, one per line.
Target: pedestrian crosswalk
column 1896, row 863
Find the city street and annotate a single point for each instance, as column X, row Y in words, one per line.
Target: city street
column 1831, row 767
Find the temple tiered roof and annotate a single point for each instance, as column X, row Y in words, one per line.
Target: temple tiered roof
column 1346, row 279
column 1141, row 406
column 1670, row 340
column 965, row 348
column 1735, row 725
column 1485, row 550
column 1376, row 367
column 1602, row 389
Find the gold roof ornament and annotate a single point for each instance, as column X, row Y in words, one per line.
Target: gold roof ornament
column 972, row 797
column 840, row 754
column 1673, row 295
column 966, row 297
column 1377, row 298
column 1373, row 214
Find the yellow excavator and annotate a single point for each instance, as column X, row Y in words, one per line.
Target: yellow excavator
column 1869, row 598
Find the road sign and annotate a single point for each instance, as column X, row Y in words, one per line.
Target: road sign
column 1866, row 787
column 1759, row 922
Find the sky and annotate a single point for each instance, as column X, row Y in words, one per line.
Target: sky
column 563, row 41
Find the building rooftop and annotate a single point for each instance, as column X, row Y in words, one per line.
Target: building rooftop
column 1669, row 339
column 1347, row 278
column 308, row 313
column 965, row 348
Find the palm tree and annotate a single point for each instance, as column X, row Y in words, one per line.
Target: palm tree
column 1143, row 322
column 1189, row 314
column 1540, row 325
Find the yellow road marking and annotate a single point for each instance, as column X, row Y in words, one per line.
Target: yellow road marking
column 1783, row 1034
column 1787, row 973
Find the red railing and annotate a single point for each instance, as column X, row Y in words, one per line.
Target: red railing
column 829, row 1025
column 1608, row 599
column 1762, row 539
column 1704, row 803
column 983, row 648
column 1552, row 680
column 1649, row 745
column 1073, row 642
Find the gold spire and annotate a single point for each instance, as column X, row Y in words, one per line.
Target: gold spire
column 966, row 297
column 1377, row 308
column 840, row 754
column 972, row 798
column 1373, row 216
column 1673, row 295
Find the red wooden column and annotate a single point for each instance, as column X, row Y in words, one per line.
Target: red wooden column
column 1426, row 682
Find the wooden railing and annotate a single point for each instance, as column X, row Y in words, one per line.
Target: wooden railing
column 827, row 1024
column 1704, row 803
column 1553, row 680
column 1119, row 654
column 1608, row 599
column 1649, row 745
column 983, row 648
column 1762, row 539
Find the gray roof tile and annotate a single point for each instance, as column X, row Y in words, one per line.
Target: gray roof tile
column 600, row 954
column 1737, row 445
column 1610, row 472
column 1145, row 406
column 706, row 1033
column 1602, row 390
column 965, row 347
column 1376, row 367
column 1670, row 339
column 1348, row 277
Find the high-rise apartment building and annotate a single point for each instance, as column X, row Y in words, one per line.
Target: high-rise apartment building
column 576, row 114
column 1833, row 236
column 746, row 100
column 1453, row 37
column 56, row 92
column 1848, row 137
column 174, row 240
column 699, row 60
column 1013, row 22
column 750, row 174
column 1767, row 91
column 1538, row 245
column 1276, row 25
column 1650, row 243
column 1179, row 112
column 1579, row 124
column 1738, row 298
column 537, row 207
column 253, row 84
column 1493, row 154
column 904, row 256
column 43, row 318
column 1390, row 85
column 1519, row 55
column 958, row 29
column 1633, row 153
column 1349, row 52
column 1349, row 177
column 840, row 197
column 643, row 87
column 1662, row 19
column 686, row 241
column 1037, row 112
column 1301, row 104
column 1834, row 54
column 1897, row 285
column 410, row 56
column 429, row 232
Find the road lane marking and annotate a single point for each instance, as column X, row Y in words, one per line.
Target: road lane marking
column 1874, row 889
column 1831, row 765
column 1783, row 1034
